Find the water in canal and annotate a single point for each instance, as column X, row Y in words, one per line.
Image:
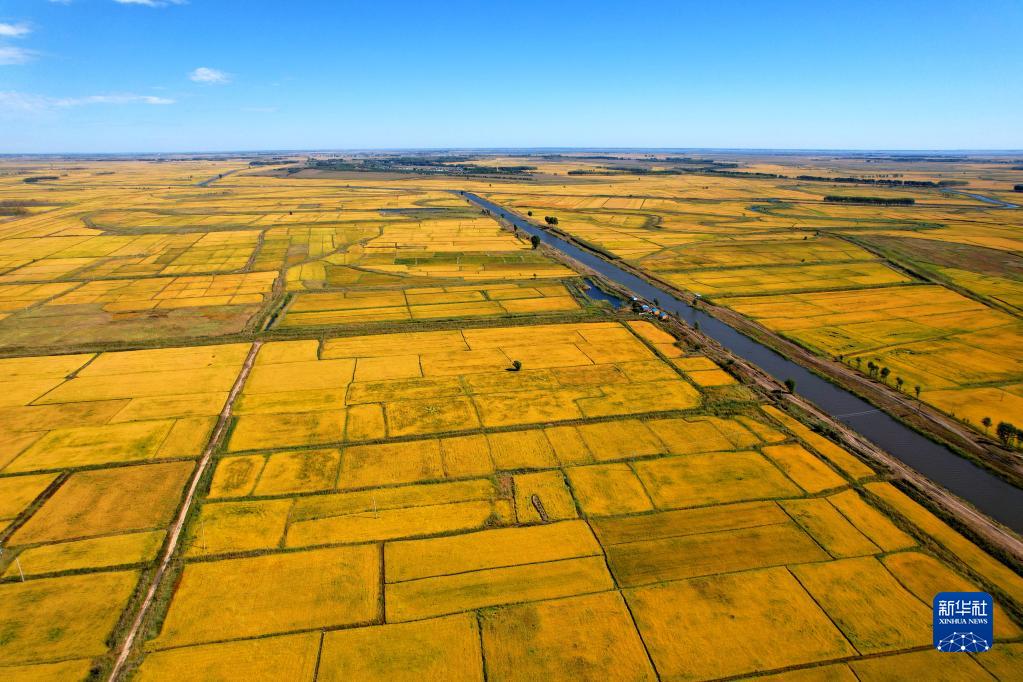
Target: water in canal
column 987, row 492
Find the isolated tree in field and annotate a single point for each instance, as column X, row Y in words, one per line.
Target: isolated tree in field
column 884, row 374
column 790, row 385
column 916, row 389
column 529, row 213
column 516, row 365
column 535, row 241
column 1005, row 432
column 986, row 421
column 898, row 382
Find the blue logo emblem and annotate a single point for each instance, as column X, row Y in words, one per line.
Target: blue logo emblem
column 963, row 621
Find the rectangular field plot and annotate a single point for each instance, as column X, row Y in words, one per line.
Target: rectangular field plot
column 396, row 512
column 103, row 552
column 752, row 280
column 54, row 619
column 18, row 492
column 107, row 501
column 291, row 657
column 273, row 594
column 572, row 638
column 422, row 303
column 437, row 648
column 712, row 478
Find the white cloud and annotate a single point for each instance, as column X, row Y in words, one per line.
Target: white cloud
column 209, row 76
column 151, row 3
column 12, row 101
column 111, row 99
column 13, row 30
column 14, row 55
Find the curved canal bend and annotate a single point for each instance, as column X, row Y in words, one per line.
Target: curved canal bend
column 995, row 497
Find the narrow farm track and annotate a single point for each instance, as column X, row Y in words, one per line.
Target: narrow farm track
column 175, row 531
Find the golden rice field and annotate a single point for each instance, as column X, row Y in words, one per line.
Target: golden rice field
column 402, row 501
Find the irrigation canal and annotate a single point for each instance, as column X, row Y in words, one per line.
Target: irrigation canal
column 995, row 497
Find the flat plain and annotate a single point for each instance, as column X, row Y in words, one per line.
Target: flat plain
column 422, row 450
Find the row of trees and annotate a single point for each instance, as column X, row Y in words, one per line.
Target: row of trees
column 881, row 372
column 1007, row 433
column 550, row 219
column 877, row 201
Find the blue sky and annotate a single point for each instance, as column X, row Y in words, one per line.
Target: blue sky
column 206, row 75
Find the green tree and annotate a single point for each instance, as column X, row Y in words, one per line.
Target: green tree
column 516, row 365
column 535, row 241
column 1005, row 432
column 790, row 385
column 898, row 382
column 986, row 421
column 884, row 374
column 916, row 389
